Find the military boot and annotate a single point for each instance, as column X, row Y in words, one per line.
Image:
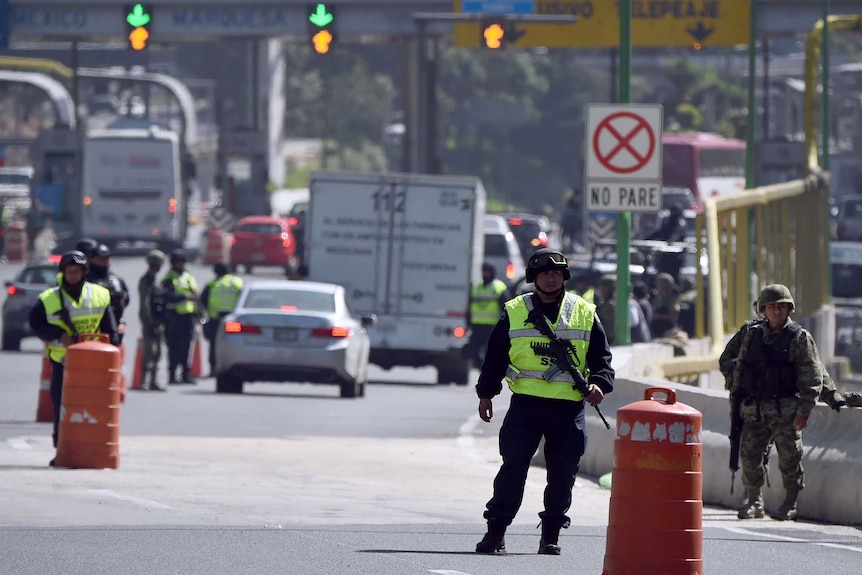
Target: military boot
column 150, row 383
column 787, row 511
column 752, row 507
column 493, row 542
column 548, row 544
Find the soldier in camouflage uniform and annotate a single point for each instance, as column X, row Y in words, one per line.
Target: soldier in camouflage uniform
column 828, row 395
column 778, row 376
column 151, row 324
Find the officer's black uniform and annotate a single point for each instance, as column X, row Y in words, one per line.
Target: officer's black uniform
column 101, row 275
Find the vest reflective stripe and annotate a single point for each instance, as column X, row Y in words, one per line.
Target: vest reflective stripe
column 86, row 314
column 184, row 285
column 223, row 295
column 529, row 363
column 484, row 303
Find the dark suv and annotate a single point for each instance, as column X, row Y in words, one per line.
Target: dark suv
column 21, row 295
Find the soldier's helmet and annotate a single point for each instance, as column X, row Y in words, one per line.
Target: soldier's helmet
column 547, row 259
column 220, row 269
column 178, row 256
column 775, row 293
column 74, row 257
column 102, row 251
column 87, row 246
column 155, row 258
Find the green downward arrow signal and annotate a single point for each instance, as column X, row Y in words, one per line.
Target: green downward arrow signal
column 138, row 17
column 321, row 17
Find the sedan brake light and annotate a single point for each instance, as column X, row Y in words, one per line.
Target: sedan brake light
column 510, row 270
column 12, row 290
column 336, row 332
column 237, row 327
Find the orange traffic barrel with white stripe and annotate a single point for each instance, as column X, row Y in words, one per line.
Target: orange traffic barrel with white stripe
column 655, row 520
column 89, row 434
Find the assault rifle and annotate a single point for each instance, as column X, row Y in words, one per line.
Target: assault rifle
column 561, row 350
column 735, row 434
column 66, row 316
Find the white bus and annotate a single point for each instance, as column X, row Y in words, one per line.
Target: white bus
column 133, row 188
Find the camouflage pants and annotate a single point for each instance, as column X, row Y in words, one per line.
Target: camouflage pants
column 152, row 347
column 776, row 423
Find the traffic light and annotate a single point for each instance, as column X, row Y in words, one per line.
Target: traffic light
column 138, row 17
column 493, row 35
column 321, row 25
column 498, row 34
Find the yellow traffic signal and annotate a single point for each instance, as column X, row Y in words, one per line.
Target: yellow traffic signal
column 138, row 18
column 321, row 41
column 494, row 34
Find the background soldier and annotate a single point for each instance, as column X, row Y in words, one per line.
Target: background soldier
column 99, row 260
column 487, row 299
column 218, row 299
column 180, row 317
column 151, row 312
column 777, row 378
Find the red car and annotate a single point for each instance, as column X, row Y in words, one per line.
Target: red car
column 263, row 241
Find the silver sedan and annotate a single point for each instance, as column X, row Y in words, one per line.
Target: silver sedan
column 299, row 331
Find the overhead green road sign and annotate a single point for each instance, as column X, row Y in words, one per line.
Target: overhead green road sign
column 655, row 23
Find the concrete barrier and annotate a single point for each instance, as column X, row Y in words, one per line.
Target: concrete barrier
column 832, row 459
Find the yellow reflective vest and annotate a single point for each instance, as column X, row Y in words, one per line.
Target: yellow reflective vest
column 86, row 313
column 223, row 293
column 530, row 356
column 485, row 303
column 184, row 286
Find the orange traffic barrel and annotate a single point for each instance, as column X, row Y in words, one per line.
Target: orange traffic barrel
column 89, row 434
column 655, row 520
column 45, row 409
column 16, row 242
column 217, row 248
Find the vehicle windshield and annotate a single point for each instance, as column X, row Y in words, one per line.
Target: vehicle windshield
column 10, row 179
column 260, row 228
column 846, row 252
column 46, row 275
column 496, row 245
column 290, row 300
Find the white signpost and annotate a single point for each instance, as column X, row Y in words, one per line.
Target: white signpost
column 624, row 157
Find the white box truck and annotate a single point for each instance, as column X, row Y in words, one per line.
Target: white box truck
column 408, row 248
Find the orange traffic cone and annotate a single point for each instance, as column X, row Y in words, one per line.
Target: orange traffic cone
column 138, row 370
column 197, row 367
column 45, row 409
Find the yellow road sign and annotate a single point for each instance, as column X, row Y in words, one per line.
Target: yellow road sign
column 655, row 23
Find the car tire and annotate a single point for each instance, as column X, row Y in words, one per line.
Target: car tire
column 228, row 384
column 11, row 341
column 351, row 388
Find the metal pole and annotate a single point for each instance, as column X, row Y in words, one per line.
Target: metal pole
column 824, row 84
column 431, row 108
column 765, row 135
column 624, row 219
column 614, row 78
column 752, row 99
column 421, row 100
column 76, row 97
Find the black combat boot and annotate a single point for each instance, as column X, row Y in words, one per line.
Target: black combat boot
column 187, row 378
column 493, row 542
column 172, row 376
column 787, row 511
column 150, row 382
column 548, row 545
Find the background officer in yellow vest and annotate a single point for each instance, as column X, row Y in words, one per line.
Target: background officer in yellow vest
column 545, row 402
column 487, row 299
column 181, row 316
column 62, row 313
column 218, row 299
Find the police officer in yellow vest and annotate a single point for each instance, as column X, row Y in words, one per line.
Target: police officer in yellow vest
column 181, row 316
column 487, row 299
column 543, row 404
column 62, row 313
column 218, row 299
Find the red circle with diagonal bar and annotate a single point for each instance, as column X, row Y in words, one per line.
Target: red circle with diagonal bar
column 624, row 142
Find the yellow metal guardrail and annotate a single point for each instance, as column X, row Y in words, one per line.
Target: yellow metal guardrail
column 770, row 234
column 43, row 65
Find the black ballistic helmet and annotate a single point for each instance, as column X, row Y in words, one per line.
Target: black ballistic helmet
column 178, row 256
column 74, row 257
column 103, row 251
column 547, row 259
column 220, row 269
column 87, row 246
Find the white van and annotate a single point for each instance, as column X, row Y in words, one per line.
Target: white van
column 502, row 251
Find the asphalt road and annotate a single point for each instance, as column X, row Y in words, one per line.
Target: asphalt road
column 289, row 478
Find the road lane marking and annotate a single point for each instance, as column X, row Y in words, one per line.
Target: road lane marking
column 18, row 443
column 136, row 500
column 447, row 572
column 741, row 531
